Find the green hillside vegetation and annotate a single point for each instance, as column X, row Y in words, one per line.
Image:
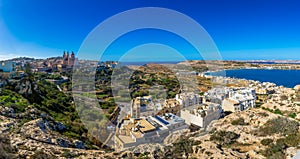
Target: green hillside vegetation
column 13, row 100
column 290, row 136
column 50, row 101
column 141, row 81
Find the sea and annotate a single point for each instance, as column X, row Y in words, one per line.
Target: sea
column 286, row 78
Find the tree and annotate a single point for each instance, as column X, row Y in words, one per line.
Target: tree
column 28, row 71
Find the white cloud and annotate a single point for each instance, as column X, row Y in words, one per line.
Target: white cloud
column 6, row 56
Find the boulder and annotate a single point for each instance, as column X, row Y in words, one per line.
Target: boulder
column 24, row 88
column 40, row 123
column 79, row 144
column 297, row 87
column 62, row 142
column 60, row 126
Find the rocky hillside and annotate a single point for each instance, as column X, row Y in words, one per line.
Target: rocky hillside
column 38, row 120
column 254, row 133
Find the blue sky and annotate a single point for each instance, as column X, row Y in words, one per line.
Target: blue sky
column 256, row 29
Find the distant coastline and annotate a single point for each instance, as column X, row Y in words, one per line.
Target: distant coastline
column 286, row 78
column 271, row 61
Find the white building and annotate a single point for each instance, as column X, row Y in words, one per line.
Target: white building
column 201, row 115
column 241, row 100
column 188, row 99
column 8, row 66
column 170, row 121
column 153, row 129
column 144, row 106
column 217, row 95
column 264, row 88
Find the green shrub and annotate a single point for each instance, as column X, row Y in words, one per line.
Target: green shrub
column 224, row 138
column 279, row 125
column 184, row 145
column 13, row 100
column 264, row 114
column 293, row 115
column 277, row 150
column 266, row 142
column 69, row 154
column 277, row 111
column 239, row 121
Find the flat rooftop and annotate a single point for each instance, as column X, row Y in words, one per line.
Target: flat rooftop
column 232, row 101
column 145, row 126
column 140, row 125
column 203, row 106
column 126, row 139
column 168, row 119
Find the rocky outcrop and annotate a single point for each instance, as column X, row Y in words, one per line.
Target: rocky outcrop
column 27, row 89
column 40, row 136
column 79, row 144
column 174, row 136
column 248, row 143
column 62, row 142
column 7, row 111
column 24, row 87
column 297, row 87
column 3, row 82
column 44, row 131
column 146, row 148
column 6, row 124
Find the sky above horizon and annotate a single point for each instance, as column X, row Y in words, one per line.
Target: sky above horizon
column 242, row 30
